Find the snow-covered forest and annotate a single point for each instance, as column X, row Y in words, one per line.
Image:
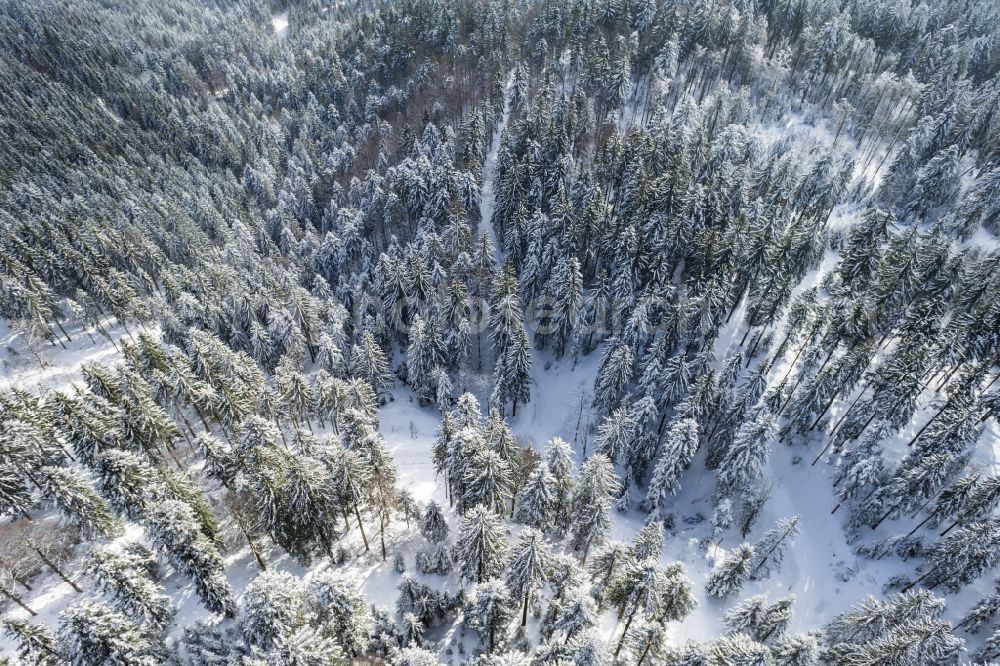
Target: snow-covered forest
column 500, row 332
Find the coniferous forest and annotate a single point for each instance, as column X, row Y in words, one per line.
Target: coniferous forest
column 500, row 332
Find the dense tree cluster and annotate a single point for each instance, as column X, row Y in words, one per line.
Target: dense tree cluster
column 767, row 223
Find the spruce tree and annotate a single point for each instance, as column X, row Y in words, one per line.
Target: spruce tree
column 489, row 612
column 592, row 500
column 770, row 550
column 94, row 633
column 528, row 568
column 123, row 574
column 536, row 501
column 175, row 531
column 678, row 449
column 68, row 491
column 729, row 576
column 481, row 546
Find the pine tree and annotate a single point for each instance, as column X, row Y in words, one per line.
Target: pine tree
column 307, row 645
column 481, row 546
column 797, row 650
column 420, row 359
column 382, row 495
column 441, row 449
column 489, row 612
column 488, row 482
column 904, row 630
column 613, row 374
column 615, row 433
column 272, row 609
column 35, row 642
column 348, row 474
column 984, row 611
column 512, row 373
column 559, row 460
column 537, row 501
column 738, row 649
column 770, row 550
column 743, row 464
column 528, row 569
column 663, row 594
column 94, row 633
column 990, row 648
column 870, row 622
column 414, row 656
column 308, row 509
column 648, row 541
column 647, row 643
column 174, row 529
column 124, row 576
column 368, row 362
column 341, row 608
column 566, row 291
column 15, row 497
column 576, row 614
column 413, row 631
column 758, row 619
column 592, row 503
column 729, row 576
column 68, row 491
column 679, row 447
column 433, row 525
column 962, row 556
column 982, row 500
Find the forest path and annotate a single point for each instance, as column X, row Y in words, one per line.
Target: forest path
column 487, row 195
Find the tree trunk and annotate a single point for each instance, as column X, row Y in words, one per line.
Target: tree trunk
column 628, row 624
column 17, row 600
column 51, row 565
column 381, row 524
column 362, row 528
column 645, row 651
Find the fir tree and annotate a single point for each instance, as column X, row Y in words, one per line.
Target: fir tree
column 433, row 525
column 528, row 568
column 489, row 612
column 94, row 633
column 175, row 530
column 124, row 576
column 770, row 550
column 536, row 502
column 481, row 546
column 729, row 576
column 677, row 451
column 592, row 503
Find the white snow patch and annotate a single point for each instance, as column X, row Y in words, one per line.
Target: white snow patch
column 280, row 24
